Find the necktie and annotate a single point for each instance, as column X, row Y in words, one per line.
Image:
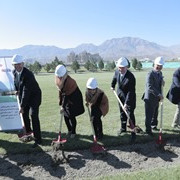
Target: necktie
column 18, row 79
column 121, row 77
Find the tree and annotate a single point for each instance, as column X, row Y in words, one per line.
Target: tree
column 47, row 67
column 134, row 62
column 93, row 66
column 110, row 66
column 71, row 57
column 37, row 67
column 101, row 64
column 30, row 67
column 87, row 65
column 139, row 65
column 55, row 63
column 113, row 65
column 75, row 66
column 84, row 56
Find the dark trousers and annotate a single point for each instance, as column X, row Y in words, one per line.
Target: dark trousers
column 123, row 117
column 34, row 113
column 154, row 121
column 97, row 122
column 71, row 124
column 151, row 113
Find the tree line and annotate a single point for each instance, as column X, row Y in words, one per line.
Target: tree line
column 91, row 62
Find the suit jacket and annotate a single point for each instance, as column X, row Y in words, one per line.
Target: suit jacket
column 173, row 94
column 126, row 89
column 153, row 86
column 28, row 88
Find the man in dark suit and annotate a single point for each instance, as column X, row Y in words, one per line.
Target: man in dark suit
column 125, row 91
column 29, row 94
column 153, row 95
column 173, row 96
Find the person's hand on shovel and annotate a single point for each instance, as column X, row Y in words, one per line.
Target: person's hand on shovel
column 87, row 104
column 125, row 107
column 160, row 97
column 21, row 110
column 61, row 110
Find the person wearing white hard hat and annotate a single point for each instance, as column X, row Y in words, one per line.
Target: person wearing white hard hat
column 153, row 95
column 70, row 98
column 29, row 94
column 97, row 100
column 173, row 96
column 126, row 91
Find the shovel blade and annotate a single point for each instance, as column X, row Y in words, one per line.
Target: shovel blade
column 59, row 140
column 97, row 148
column 160, row 141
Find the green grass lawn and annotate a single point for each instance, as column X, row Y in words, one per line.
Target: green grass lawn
column 157, row 174
column 50, row 117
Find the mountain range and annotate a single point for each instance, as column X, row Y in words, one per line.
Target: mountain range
column 109, row 50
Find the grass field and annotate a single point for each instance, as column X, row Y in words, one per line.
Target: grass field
column 50, row 117
column 165, row 174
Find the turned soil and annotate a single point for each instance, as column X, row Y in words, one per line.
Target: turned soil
column 83, row 164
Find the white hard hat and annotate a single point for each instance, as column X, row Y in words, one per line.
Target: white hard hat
column 122, row 62
column 159, row 61
column 91, row 83
column 60, row 70
column 17, row 59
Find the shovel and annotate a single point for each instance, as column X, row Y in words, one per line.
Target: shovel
column 160, row 141
column 24, row 137
column 58, row 144
column 59, row 140
column 132, row 127
column 96, row 148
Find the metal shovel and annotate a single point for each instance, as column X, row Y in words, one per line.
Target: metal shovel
column 59, row 140
column 160, row 141
column 132, row 127
column 24, row 136
column 96, row 148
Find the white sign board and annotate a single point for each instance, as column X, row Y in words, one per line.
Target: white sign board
column 9, row 114
column 9, row 111
column 6, row 75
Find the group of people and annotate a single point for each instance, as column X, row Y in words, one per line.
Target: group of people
column 71, row 99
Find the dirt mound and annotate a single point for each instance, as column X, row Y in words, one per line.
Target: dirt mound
column 83, row 164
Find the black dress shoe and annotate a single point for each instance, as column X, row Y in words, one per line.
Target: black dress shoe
column 99, row 136
column 121, row 131
column 36, row 144
column 154, row 128
column 150, row 133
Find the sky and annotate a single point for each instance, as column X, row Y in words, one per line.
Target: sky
column 69, row 23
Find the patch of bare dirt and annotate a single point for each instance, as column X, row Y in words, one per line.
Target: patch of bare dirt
column 83, row 164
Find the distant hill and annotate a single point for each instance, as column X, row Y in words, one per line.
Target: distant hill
column 109, row 50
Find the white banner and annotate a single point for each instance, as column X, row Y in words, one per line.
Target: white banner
column 9, row 114
column 9, row 111
column 6, row 75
